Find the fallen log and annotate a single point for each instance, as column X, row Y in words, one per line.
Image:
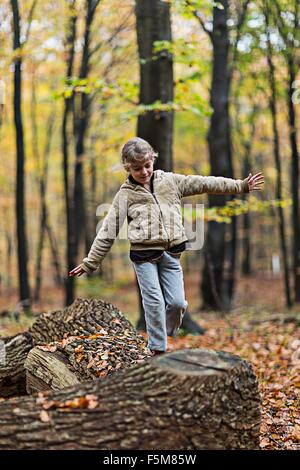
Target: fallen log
column 280, row 318
column 81, row 358
column 189, row 399
column 83, row 319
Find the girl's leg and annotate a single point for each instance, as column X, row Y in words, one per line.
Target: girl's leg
column 172, row 284
column 153, row 303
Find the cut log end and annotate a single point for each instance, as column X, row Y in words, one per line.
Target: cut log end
column 198, row 362
column 12, row 372
column 47, row 371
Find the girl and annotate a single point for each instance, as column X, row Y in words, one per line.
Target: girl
column 150, row 199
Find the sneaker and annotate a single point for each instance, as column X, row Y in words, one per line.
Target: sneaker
column 156, row 353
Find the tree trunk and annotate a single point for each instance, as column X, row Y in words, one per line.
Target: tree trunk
column 81, row 109
column 42, row 180
column 247, row 146
column 289, row 31
column 295, row 177
column 9, row 250
column 185, row 400
column 24, row 292
column 277, row 158
column 246, row 219
column 70, row 52
column 220, row 160
column 156, row 77
column 189, row 326
column 90, row 227
column 58, row 278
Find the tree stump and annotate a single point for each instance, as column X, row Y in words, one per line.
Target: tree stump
column 84, row 319
column 185, row 400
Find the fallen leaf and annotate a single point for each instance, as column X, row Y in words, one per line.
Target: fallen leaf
column 48, row 347
column 44, row 417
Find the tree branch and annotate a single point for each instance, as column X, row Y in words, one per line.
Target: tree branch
column 241, row 20
column 29, row 21
column 111, row 38
column 199, row 18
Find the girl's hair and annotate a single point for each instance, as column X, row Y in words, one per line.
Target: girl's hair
column 137, row 150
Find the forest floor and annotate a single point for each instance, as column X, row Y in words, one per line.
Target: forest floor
column 256, row 330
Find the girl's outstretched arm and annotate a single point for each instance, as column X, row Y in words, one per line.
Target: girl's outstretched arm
column 189, row 185
column 105, row 237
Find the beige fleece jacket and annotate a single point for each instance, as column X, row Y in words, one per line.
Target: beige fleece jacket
column 154, row 219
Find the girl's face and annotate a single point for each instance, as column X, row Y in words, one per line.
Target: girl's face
column 142, row 172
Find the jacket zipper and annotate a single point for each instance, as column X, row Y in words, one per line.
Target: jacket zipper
column 162, row 219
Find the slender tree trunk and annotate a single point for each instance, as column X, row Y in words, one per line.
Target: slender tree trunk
column 232, row 241
column 9, row 245
column 45, row 227
column 230, row 261
column 246, row 221
column 24, row 291
column 70, row 50
column 58, row 278
column 246, row 265
column 295, row 178
column 39, row 254
column 82, row 104
column 90, row 226
column 277, row 158
column 42, row 172
column 220, row 161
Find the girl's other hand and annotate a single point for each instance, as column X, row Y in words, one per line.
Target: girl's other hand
column 78, row 271
column 256, row 182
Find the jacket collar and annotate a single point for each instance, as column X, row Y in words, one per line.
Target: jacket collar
column 133, row 184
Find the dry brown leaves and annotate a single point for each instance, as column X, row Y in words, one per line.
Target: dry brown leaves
column 99, row 354
column 86, row 401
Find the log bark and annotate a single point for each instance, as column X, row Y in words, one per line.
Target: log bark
column 80, row 324
column 83, row 317
column 189, row 399
column 12, row 372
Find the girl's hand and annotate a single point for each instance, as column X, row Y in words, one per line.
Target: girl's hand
column 256, row 181
column 78, row 271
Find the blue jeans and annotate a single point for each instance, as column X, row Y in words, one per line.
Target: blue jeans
column 162, row 290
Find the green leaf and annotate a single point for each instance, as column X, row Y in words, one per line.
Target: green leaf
column 218, row 5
